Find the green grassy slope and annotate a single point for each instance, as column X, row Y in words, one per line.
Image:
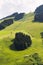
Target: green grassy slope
column 26, row 25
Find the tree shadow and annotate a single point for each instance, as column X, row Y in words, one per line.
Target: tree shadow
column 5, row 23
column 21, row 42
column 38, row 17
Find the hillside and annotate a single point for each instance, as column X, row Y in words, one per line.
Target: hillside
column 27, row 25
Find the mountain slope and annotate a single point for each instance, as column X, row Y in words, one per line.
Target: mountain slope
column 27, row 26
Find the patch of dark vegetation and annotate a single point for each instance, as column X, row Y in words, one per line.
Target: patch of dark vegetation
column 35, row 58
column 41, row 34
column 1, row 27
column 21, row 42
column 19, row 16
column 15, row 16
column 12, row 15
column 39, row 14
column 5, row 23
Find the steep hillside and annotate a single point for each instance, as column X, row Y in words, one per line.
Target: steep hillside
column 28, row 26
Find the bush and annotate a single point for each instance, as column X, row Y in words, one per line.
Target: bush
column 37, row 59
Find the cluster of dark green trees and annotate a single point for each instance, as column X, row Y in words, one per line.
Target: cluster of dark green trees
column 5, row 23
column 8, row 21
column 21, row 41
column 39, row 14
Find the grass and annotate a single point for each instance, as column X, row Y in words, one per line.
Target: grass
column 26, row 25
